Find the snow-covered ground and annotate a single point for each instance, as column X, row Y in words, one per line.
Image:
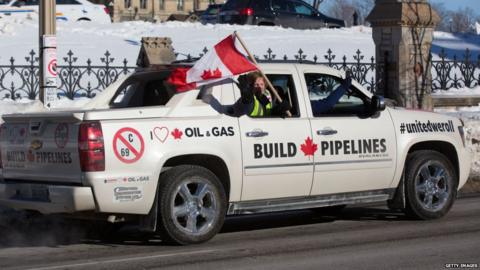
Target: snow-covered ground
column 18, row 36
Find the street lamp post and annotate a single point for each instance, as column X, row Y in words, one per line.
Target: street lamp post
column 48, row 52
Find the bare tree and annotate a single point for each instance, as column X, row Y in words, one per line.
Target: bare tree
column 444, row 24
column 363, row 8
column 462, row 20
column 342, row 9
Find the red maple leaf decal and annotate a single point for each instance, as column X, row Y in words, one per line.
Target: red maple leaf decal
column 208, row 74
column 177, row 134
column 309, row 148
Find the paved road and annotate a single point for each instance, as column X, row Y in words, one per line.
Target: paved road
column 359, row 238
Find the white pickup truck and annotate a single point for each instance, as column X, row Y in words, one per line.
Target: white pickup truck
column 178, row 163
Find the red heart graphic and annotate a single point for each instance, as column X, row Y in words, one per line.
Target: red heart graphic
column 161, row 133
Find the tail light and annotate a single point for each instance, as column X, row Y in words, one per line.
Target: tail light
column 246, row 11
column 91, row 148
column 107, row 11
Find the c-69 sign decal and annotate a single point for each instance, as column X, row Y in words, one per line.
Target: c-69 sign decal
column 128, row 145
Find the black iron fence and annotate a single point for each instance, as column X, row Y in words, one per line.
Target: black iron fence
column 74, row 79
column 458, row 72
column 86, row 80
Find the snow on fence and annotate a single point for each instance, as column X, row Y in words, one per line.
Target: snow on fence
column 86, row 80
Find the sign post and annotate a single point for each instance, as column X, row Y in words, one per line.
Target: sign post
column 48, row 53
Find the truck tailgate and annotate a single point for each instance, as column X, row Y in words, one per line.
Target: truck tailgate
column 41, row 147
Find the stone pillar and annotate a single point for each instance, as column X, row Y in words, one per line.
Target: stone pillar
column 403, row 31
column 155, row 51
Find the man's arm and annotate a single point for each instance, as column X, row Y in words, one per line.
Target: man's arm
column 323, row 105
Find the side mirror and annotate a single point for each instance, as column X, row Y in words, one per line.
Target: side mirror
column 378, row 103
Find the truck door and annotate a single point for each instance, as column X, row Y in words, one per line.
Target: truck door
column 274, row 165
column 356, row 148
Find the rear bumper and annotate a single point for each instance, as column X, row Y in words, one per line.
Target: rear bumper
column 54, row 199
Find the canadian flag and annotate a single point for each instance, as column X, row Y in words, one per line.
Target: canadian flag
column 222, row 62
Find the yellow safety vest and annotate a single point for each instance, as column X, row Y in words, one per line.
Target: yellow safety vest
column 259, row 110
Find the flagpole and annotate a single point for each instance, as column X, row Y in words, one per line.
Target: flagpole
column 269, row 84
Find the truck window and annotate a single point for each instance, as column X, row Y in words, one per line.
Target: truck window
column 142, row 91
column 285, row 87
column 321, row 86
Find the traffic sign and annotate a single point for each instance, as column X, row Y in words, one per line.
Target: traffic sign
column 128, row 145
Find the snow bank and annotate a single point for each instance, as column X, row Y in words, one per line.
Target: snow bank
column 18, row 36
column 471, row 118
column 458, row 92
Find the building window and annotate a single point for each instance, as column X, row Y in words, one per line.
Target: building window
column 180, row 4
column 143, row 4
column 161, row 4
column 128, row 3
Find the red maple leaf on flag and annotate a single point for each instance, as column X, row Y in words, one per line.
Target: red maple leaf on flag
column 309, row 148
column 177, row 134
column 208, row 74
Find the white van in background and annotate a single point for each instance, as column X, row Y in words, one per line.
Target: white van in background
column 66, row 10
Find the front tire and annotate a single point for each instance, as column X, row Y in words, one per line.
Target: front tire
column 430, row 185
column 192, row 205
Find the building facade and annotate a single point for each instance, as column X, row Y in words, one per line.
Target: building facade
column 155, row 10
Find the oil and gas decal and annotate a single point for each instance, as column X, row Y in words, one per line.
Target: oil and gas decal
column 364, row 148
column 127, row 194
column 128, row 145
column 159, row 133
column 212, row 132
column 16, row 134
column 61, row 135
column 274, row 150
column 39, row 157
column 53, row 157
column 16, row 156
column 36, row 145
column 426, row 127
column 353, row 147
column 177, row 134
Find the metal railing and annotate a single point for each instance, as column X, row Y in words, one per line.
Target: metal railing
column 74, row 80
column 455, row 73
column 86, row 80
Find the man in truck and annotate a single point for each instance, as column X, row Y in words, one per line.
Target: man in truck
column 256, row 100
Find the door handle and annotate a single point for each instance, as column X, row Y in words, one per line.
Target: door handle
column 326, row 132
column 257, row 133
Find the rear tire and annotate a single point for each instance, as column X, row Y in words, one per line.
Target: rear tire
column 430, row 185
column 192, row 205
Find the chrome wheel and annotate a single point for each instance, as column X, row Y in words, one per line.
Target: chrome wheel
column 194, row 208
column 432, row 188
